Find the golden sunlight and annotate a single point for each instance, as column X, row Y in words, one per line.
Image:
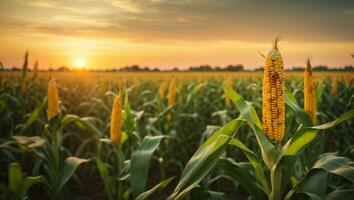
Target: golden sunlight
column 80, row 63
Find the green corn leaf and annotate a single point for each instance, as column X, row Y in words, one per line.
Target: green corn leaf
column 29, row 182
column 340, row 194
column 68, row 169
column 33, row 117
column 243, row 177
column 140, row 163
column 313, row 186
column 305, row 135
column 340, row 166
column 108, row 185
column 297, row 144
column 255, row 162
column 15, row 177
column 315, row 180
column 247, row 111
column 204, row 159
column 304, row 195
column 300, row 113
column 129, row 122
column 159, row 186
column 83, row 123
column 216, row 195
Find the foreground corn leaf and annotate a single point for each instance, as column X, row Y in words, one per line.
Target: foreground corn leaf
column 255, row 162
column 247, row 111
column 245, row 179
column 305, row 135
column 204, row 159
column 213, row 195
column 140, row 163
column 295, row 146
column 309, row 185
column 305, row 195
column 340, row 194
column 159, row 186
column 340, row 166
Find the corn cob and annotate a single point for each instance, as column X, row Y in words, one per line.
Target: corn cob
column 309, row 93
column 273, row 106
column 171, row 97
column 116, row 120
column 53, row 100
column 162, row 90
column 228, row 83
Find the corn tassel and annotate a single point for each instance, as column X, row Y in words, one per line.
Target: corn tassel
column 35, row 70
column 53, row 100
column 116, row 120
column 171, row 98
column 273, row 105
column 309, row 93
column 228, row 83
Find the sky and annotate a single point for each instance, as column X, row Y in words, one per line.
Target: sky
column 170, row 33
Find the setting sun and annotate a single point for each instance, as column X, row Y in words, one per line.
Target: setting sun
column 79, row 63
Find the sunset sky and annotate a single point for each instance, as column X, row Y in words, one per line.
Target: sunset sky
column 169, row 33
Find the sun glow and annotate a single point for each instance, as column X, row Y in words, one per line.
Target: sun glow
column 80, row 63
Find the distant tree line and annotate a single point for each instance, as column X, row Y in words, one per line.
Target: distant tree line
column 217, row 68
column 324, row 68
column 201, row 68
column 59, row 69
column 134, row 68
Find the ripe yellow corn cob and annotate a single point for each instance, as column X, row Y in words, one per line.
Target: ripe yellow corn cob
column 309, row 93
column 162, row 90
column 273, row 105
column 53, row 100
column 171, row 97
column 228, row 83
column 116, row 120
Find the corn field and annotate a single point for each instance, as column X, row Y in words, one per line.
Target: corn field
column 184, row 135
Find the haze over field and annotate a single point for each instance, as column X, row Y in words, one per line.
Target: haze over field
column 165, row 34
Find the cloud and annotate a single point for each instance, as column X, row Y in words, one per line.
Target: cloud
column 184, row 20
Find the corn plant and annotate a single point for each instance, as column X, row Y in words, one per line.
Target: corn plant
column 125, row 178
column 18, row 185
column 57, row 167
column 272, row 176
